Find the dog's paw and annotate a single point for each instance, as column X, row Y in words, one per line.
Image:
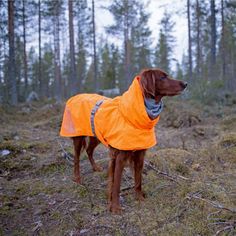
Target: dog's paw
column 140, row 196
column 115, row 209
column 77, row 180
column 97, row 168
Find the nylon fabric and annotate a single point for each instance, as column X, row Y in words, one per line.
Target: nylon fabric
column 122, row 122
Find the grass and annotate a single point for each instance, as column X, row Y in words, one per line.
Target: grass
column 195, row 163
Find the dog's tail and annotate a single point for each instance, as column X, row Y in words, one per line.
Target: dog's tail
column 85, row 143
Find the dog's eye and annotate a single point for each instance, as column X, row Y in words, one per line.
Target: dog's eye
column 162, row 78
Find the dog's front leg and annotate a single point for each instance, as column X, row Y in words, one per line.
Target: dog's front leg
column 138, row 168
column 78, row 145
column 119, row 166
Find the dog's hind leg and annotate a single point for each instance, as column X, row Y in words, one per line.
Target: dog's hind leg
column 111, row 171
column 79, row 144
column 138, row 168
column 93, row 142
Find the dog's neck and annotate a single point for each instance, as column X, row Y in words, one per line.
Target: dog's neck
column 158, row 98
column 153, row 108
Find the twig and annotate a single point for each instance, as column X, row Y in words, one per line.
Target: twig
column 212, row 214
column 60, row 204
column 67, row 156
column 214, row 204
column 152, row 166
column 85, row 231
column 227, row 225
column 224, row 229
column 127, row 188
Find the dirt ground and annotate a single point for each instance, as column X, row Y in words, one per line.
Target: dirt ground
column 189, row 177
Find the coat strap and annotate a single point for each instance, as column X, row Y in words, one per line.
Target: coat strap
column 93, row 112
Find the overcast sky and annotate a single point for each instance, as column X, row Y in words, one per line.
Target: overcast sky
column 157, row 9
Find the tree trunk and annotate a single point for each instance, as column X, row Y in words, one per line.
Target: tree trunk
column 223, row 40
column 57, row 64
column 213, row 39
column 189, row 41
column 25, row 54
column 96, row 82
column 11, row 63
column 73, row 75
column 41, row 85
column 127, row 50
column 199, row 56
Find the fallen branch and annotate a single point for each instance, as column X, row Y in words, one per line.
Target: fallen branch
column 95, row 227
column 127, row 188
column 217, row 205
column 227, row 228
column 66, row 155
column 170, row 177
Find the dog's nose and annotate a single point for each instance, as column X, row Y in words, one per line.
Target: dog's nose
column 184, row 84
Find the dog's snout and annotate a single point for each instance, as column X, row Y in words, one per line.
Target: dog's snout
column 184, row 84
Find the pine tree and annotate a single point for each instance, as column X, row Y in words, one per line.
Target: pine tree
column 84, row 40
column 230, row 46
column 108, row 69
column 95, row 80
column 54, row 12
column 213, row 40
column 141, row 41
column 165, row 45
column 125, row 17
column 189, row 41
column 12, row 60
column 3, row 52
column 73, row 69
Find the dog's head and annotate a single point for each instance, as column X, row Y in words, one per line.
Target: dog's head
column 156, row 83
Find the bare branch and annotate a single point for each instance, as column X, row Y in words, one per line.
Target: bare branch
column 175, row 178
column 217, row 205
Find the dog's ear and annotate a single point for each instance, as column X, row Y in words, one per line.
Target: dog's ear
column 148, row 83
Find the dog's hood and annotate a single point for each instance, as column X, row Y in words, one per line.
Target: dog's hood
column 121, row 122
column 132, row 107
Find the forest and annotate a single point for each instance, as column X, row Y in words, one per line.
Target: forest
column 51, row 50
column 33, row 56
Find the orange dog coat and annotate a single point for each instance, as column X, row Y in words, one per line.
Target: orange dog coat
column 121, row 122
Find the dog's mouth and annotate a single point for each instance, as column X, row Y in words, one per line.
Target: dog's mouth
column 172, row 93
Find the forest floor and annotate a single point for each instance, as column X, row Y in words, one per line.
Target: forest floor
column 189, row 177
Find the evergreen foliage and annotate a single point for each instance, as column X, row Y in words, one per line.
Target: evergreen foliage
column 42, row 64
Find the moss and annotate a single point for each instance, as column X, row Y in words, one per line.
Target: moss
column 17, row 147
column 182, row 169
column 229, row 123
column 15, row 166
column 228, row 141
column 56, row 167
column 49, row 123
column 11, row 146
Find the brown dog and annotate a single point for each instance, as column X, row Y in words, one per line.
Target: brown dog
column 153, row 84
